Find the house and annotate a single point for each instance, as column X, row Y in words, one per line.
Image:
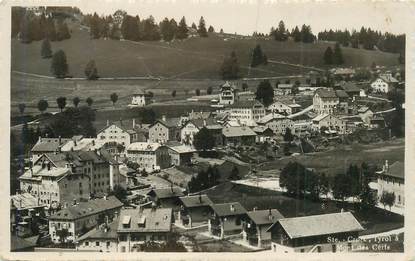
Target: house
column 343, row 105
column 246, row 112
column 330, row 122
column 192, row 127
column 283, row 89
column 276, row 122
column 336, row 232
column 164, row 130
column 263, row 133
column 384, row 83
column 46, row 145
column 81, row 143
column 103, row 238
column 325, row 101
column 246, row 96
column 352, row 123
column 343, row 73
column 53, row 185
column 392, row 179
column 80, row 217
column 180, row 154
column 255, row 228
column 149, row 155
column 166, row 197
column 377, row 121
column 227, row 94
column 351, row 89
column 194, row 210
column 216, row 131
column 301, row 124
column 117, row 133
column 227, row 219
column 238, row 136
column 137, row 226
column 284, row 108
column 365, row 114
column 140, row 99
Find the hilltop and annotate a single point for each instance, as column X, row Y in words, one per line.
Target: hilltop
column 194, row 58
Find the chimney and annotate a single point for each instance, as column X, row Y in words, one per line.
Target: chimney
column 40, row 138
column 270, row 215
column 255, row 209
column 108, row 123
column 386, row 166
column 171, row 188
column 204, row 123
column 232, row 208
column 43, row 165
column 200, row 198
column 163, row 118
column 60, row 140
column 133, row 123
column 74, row 201
column 48, row 165
column 93, row 142
column 74, row 143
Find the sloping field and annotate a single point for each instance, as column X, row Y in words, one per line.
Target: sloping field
column 192, row 58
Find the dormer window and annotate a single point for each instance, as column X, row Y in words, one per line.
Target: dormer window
column 126, row 222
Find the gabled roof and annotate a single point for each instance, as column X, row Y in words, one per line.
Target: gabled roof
column 90, row 207
column 168, row 122
column 326, row 93
column 125, row 125
column 238, row 131
column 388, row 78
column 101, row 232
column 363, row 109
column 350, row 87
column 270, row 117
column 200, row 123
column 397, row 170
column 182, row 149
column 49, row 144
column 228, row 209
column 24, row 201
column 196, row 201
column 146, row 220
column 171, row 192
column 320, row 117
column 342, row 94
column 317, row 225
column 261, row 129
column 262, row 217
column 143, row 146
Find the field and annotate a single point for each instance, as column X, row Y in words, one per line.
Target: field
column 337, row 160
column 194, row 58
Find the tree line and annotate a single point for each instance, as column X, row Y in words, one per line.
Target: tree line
column 300, row 181
column 133, row 28
column 281, row 33
column 366, row 38
column 30, row 27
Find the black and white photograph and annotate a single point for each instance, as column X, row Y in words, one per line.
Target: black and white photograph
column 247, row 127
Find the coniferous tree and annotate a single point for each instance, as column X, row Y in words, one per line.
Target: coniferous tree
column 328, row 56
column 91, row 71
column 167, row 30
column 61, row 102
column 221, row 31
column 258, row 57
column 59, row 66
column 280, row 32
column 42, row 105
column 182, row 29
column 62, row 31
column 296, row 34
column 211, row 29
column 46, row 51
column 230, row 67
column 150, row 30
column 337, row 55
column 201, row 30
column 95, row 22
column 89, row 101
column 76, row 101
column 50, row 30
column 194, row 26
column 265, row 92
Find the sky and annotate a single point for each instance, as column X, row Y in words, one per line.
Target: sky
column 247, row 16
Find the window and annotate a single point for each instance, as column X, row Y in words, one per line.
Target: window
column 86, row 243
column 97, row 243
column 333, row 248
column 108, row 244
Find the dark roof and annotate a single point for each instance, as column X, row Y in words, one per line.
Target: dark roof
column 125, row 125
column 238, row 131
column 49, row 144
column 342, row 94
column 101, row 233
column 167, row 192
column 87, row 208
column 397, row 170
column 200, row 123
column 18, row 243
column 326, row 93
column 225, row 209
column 145, row 220
column 261, row 217
column 350, row 87
column 245, row 104
column 168, row 122
column 326, row 224
column 196, row 201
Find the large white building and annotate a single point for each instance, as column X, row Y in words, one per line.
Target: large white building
column 116, row 133
column 140, row 99
column 384, row 83
column 246, row 112
column 150, row 156
column 285, row 108
column 277, row 123
column 325, row 101
column 392, row 179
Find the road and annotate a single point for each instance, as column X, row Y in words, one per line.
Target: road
column 297, row 65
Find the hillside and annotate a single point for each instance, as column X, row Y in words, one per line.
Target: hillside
column 193, row 58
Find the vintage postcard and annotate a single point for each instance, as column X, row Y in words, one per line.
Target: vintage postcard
column 207, row 129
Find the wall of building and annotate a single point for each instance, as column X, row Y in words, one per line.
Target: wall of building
column 114, row 134
column 390, row 184
column 159, row 133
column 99, row 245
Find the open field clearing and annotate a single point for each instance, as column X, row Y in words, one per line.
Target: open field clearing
column 337, row 160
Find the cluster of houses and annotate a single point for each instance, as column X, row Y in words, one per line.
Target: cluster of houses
column 104, row 225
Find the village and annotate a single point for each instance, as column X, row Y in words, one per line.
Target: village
column 163, row 186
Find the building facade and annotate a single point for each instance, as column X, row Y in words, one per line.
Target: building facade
column 150, row 156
